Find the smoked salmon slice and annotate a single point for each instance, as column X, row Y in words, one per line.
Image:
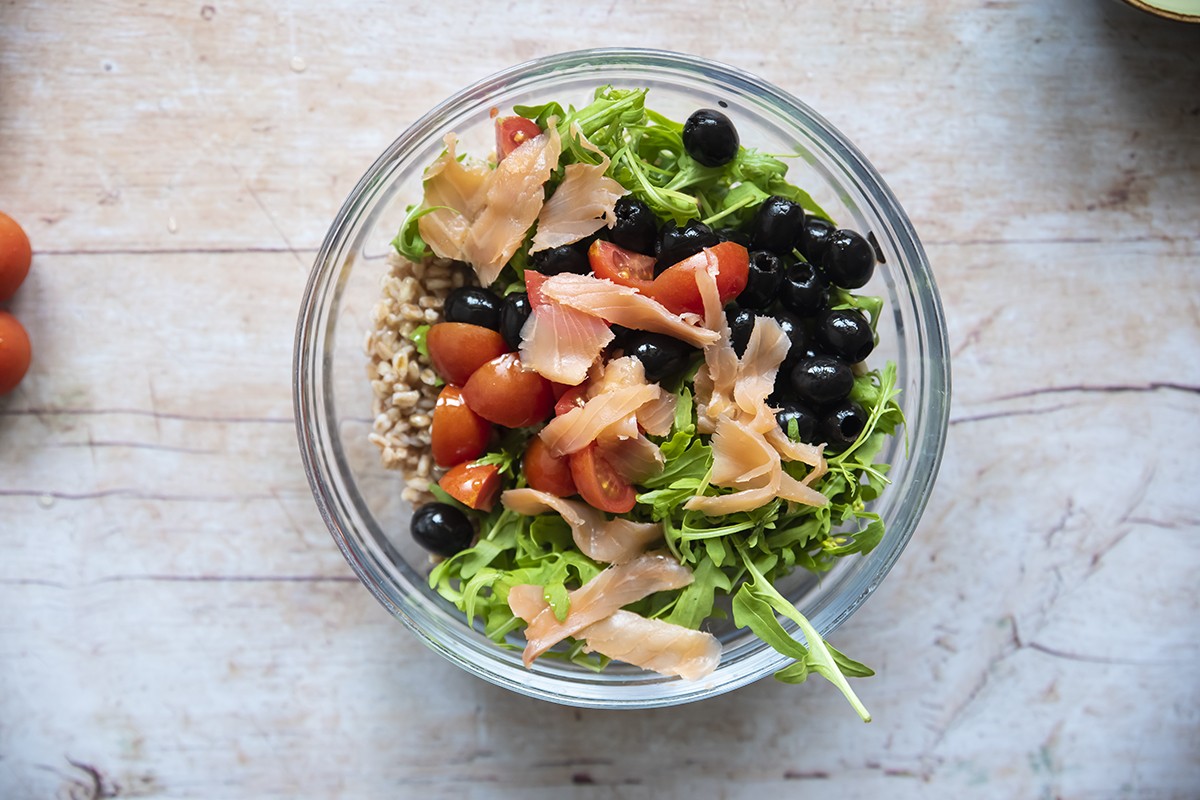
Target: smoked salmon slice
column 609, row 541
column 581, row 205
column 663, row 647
column 656, row 416
column 603, row 595
column 623, row 305
column 512, row 201
column 481, row 215
column 455, row 189
column 561, row 344
column 579, row 427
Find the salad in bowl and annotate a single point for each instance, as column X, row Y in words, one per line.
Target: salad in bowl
column 636, row 394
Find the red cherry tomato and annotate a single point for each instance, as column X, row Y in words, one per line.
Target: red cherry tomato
column 546, row 472
column 458, row 433
column 15, row 255
column 574, row 397
column 457, row 349
column 15, row 352
column 533, row 288
column 676, row 286
column 512, row 132
column 621, row 266
column 504, row 392
column 599, row 484
column 473, row 485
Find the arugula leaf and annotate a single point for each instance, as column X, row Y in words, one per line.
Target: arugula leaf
column 692, row 463
column 408, row 241
column 560, row 602
column 695, row 602
column 758, row 598
column 541, row 114
column 419, row 338
column 864, row 541
column 508, row 452
column 442, row 496
column 839, row 298
column 685, row 416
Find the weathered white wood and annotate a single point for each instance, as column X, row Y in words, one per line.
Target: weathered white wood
column 176, row 621
column 211, row 126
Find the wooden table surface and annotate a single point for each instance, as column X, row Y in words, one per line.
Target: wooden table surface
column 175, row 621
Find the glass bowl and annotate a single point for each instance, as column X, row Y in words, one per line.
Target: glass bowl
column 360, row 500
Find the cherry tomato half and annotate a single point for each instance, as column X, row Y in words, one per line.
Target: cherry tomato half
column 599, row 484
column 457, row 349
column 676, row 286
column 504, row 392
column 574, row 397
column 473, row 485
column 458, row 433
column 547, row 472
column 621, row 266
column 512, row 132
column 533, row 288
column 14, row 352
column 15, row 255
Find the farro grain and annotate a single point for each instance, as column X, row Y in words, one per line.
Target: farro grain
column 403, row 383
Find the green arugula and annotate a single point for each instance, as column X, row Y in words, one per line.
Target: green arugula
column 408, row 241
column 419, row 336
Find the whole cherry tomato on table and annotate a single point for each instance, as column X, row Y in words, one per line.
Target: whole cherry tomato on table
column 15, row 256
column 14, row 352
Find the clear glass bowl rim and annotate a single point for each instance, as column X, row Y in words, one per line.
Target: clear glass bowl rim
column 314, row 334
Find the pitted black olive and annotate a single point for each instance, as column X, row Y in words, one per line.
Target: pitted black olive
column 710, row 137
column 474, row 306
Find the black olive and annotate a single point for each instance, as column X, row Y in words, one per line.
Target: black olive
column 710, row 137
column 822, row 380
column 675, row 243
column 842, row 424
column 793, row 328
column 512, row 317
column 566, row 258
column 762, row 280
column 636, row 227
column 806, row 421
column 735, row 235
column 441, row 528
column 849, row 259
column 782, row 392
column 474, row 306
column 776, row 225
column 846, row 333
column 621, row 335
column 814, row 238
column 741, row 325
column 661, row 355
column 804, row 289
